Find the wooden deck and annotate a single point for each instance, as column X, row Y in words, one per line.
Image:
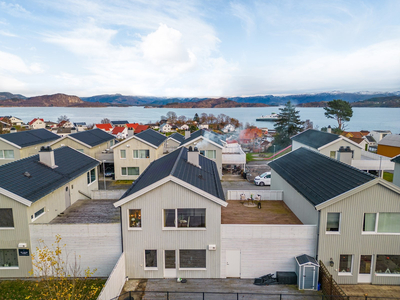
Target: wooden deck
column 271, row 212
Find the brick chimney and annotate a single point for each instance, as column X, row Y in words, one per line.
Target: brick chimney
column 46, row 157
column 193, row 156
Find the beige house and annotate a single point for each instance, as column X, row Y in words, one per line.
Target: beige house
column 35, row 190
column 91, row 142
column 37, row 123
column 133, row 155
column 173, row 142
column 17, row 145
column 208, row 143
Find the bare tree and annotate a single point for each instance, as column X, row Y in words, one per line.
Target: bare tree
column 105, row 121
column 172, row 117
column 62, row 118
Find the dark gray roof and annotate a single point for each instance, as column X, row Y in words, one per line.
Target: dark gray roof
column 177, row 136
column 79, row 123
column 210, row 135
column 119, row 122
column 92, row 137
column 151, row 136
column 175, row 164
column 30, row 137
column 370, row 138
column 317, row 177
column 396, row 159
column 304, row 259
column 315, row 138
column 43, row 179
column 392, row 140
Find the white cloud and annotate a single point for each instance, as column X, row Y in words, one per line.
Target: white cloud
column 13, row 9
column 6, row 33
column 245, row 15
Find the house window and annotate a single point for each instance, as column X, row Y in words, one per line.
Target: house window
column 150, row 258
column 211, row 154
column 80, row 150
column 111, row 143
column 345, row 263
column 8, row 258
column 135, row 218
column 129, row 171
column 91, row 176
column 6, row 154
column 333, row 222
column 122, row 153
column 141, row 153
column 387, row 264
column 332, row 154
column 37, row 214
column 381, row 223
column 185, row 218
column 192, row 259
column 169, row 217
column 6, row 218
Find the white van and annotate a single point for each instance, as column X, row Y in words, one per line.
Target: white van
column 263, row 179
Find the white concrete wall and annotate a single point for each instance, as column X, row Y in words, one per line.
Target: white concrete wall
column 98, row 245
column 115, row 281
column 110, row 194
column 267, row 248
column 265, row 194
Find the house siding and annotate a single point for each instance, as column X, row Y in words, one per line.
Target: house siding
column 299, row 205
column 78, row 146
column 129, row 161
column 350, row 240
column 152, row 237
column 396, row 174
column 334, row 147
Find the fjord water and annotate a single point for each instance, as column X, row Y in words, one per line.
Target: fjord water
column 363, row 118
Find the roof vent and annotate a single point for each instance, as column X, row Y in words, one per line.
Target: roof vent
column 27, row 174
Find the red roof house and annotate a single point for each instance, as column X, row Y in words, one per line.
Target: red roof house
column 105, row 127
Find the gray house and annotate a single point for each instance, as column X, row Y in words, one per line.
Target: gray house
column 171, row 218
column 358, row 215
column 396, row 174
column 35, row 190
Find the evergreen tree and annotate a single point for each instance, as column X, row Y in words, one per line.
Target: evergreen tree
column 287, row 125
column 196, row 117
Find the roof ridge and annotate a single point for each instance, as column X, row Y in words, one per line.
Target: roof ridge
column 176, row 161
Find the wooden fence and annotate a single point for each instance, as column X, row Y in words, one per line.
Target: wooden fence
column 329, row 286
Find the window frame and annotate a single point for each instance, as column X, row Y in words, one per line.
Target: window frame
column 205, row 153
column 384, row 273
column 34, row 217
column 191, row 269
column 351, row 266
column 12, row 216
column 376, row 232
column 176, row 227
column 129, row 223
column 340, row 223
column 10, row 267
column 127, row 171
column 120, row 153
column 137, row 151
column 89, row 177
column 3, row 155
column 144, row 264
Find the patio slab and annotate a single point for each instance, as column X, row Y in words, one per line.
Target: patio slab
column 390, row 291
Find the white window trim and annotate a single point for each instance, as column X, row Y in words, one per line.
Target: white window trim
column 144, row 262
column 9, row 268
column 8, row 158
column 7, row 228
column 120, row 153
column 44, row 211
column 176, row 221
column 375, row 232
column 141, row 220
column 95, row 176
column 340, row 223
column 386, row 274
column 127, row 171
column 351, row 268
column 133, row 155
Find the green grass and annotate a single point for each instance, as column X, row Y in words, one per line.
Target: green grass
column 122, row 182
column 388, row 176
column 263, row 155
column 29, row 289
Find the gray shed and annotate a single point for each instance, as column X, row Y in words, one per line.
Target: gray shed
column 307, row 270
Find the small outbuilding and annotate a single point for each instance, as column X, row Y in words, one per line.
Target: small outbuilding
column 307, row 270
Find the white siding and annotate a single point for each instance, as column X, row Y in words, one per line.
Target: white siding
column 267, row 248
column 115, row 282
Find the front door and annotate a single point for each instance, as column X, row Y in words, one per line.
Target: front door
column 233, row 263
column 308, row 278
column 67, row 197
column 169, row 264
column 365, row 274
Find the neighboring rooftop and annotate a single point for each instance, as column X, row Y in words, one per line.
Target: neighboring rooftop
column 89, row 212
column 106, row 126
column 315, row 138
column 306, row 259
column 177, row 137
column 392, row 140
column 318, row 177
column 271, row 212
column 92, row 137
column 117, row 130
column 370, row 138
column 119, row 122
column 151, row 136
column 209, row 135
column 30, row 137
column 396, row 159
column 32, row 180
column 175, row 164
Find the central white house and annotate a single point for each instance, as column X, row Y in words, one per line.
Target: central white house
column 171, row 218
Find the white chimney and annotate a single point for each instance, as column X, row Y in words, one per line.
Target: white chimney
column 193, row 156
column 73, row 130
column 130, row 131
column 187, row 134
column 329, row 129
column 345, row 155
column 46, row 157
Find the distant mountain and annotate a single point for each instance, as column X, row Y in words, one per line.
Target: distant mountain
column 6, row 96
column 137, row 100
column 57, row 100
column 212, row 103
column 392, row 101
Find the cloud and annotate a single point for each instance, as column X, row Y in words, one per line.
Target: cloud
column 15, row 10
column 6, row 33
column 245, row 15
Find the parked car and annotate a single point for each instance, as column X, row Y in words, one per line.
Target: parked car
column 109, row 173
column 263, row 179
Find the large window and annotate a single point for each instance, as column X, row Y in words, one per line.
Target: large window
column 185, row 218
column 381, row 223
column 6, row 218
column 387, row 264
column 91, row 176
column 135, row 218
column 211, row 154
column 129, row 171
column 333, row 222
column 345, row 264
column 122, row 153
column 150, row 258
column 8, row 258
column 192, row 259
column 141, row 153
column 6, row 154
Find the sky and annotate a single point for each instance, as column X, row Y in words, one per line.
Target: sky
column 207, row 48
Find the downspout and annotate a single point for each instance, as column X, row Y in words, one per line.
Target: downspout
column 318, row 226
column 122, row 236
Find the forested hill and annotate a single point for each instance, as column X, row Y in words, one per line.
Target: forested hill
column 393, row 101
column 212, row 103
